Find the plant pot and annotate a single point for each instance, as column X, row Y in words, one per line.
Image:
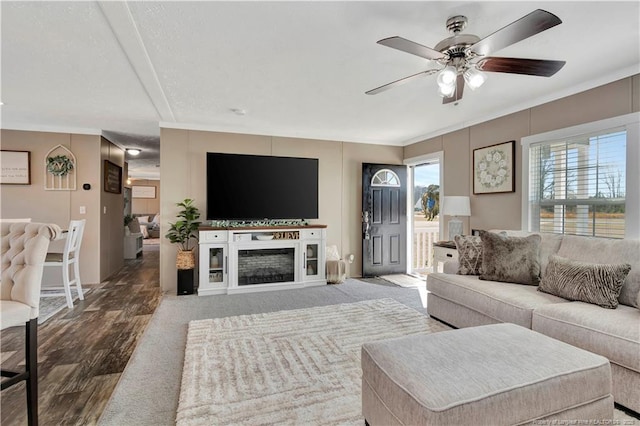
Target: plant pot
column 186, row 259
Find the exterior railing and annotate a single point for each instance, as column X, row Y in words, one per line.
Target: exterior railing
column 423, row 240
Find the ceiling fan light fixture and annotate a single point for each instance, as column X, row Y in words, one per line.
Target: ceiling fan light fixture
column 447, row 77
column 446, row 91
column 474, row 78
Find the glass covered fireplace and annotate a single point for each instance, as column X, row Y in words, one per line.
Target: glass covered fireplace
column 264, row 266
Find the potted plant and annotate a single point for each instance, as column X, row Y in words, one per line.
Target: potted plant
column 183, row 231
column 127, row 220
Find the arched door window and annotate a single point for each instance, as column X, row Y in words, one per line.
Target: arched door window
column 385, row 177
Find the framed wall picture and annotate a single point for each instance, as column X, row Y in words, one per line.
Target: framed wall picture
column 112, row 177
column 15, row 167
column 494, row 168
column 141, row 191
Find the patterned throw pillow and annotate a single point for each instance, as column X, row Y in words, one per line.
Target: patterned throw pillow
column 595, row 283
column 469, row 254
column 510, row 259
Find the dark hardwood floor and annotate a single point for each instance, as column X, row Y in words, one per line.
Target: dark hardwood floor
column 82, row 352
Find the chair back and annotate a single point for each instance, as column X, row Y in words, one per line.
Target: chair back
column 24, row 248
column 22, row 219
column 74, row 240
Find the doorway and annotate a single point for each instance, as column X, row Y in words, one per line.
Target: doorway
column 384, row 219
column 426, row 178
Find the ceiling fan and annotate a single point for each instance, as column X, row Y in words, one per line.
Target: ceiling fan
column 463, row 57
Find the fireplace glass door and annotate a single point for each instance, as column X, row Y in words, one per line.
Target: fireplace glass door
column 265, row 266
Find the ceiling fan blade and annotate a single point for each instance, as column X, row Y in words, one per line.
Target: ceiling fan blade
column 411, row 47
column 399, row 82
column 537, row 21
column 457, row 95
column 539, row 67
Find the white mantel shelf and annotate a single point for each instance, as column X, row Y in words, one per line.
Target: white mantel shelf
column 221, row 252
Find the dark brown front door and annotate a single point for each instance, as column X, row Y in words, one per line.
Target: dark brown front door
column 384, row 219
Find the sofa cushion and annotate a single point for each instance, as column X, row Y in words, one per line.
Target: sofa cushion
column 613, row 333
column 510, row 259
column 606, row 250
column 504, row 302
column 595, row 283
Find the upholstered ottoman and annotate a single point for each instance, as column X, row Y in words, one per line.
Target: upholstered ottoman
column 493, row 374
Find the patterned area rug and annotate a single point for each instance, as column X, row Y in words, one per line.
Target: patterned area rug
column 288, row 367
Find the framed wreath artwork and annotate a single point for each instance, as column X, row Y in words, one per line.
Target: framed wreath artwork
column 494, row 168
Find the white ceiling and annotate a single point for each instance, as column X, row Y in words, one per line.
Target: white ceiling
column 298, row 69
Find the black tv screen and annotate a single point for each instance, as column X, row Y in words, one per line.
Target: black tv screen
column 255, row 187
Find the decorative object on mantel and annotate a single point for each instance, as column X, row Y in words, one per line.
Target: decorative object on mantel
column 494, row 168
column 258, row 223
column 183, row 231
column 60, row 169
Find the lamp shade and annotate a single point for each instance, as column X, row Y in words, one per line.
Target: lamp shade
column 456, row 206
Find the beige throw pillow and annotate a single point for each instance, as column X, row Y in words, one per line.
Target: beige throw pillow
column 510, row 259
column 595, row 283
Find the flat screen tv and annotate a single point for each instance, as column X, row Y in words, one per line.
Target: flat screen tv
column 255, row 187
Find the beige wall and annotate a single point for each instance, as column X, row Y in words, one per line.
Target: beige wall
column 340, row 170
column 111, row 222
column 146, row 205
column 504, row 210
column 62, row 206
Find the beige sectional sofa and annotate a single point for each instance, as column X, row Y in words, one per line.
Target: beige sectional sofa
column 466, row 301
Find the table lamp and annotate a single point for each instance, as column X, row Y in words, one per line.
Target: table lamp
column 456, row 206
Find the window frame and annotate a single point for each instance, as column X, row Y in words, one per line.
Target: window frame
column 631, row 124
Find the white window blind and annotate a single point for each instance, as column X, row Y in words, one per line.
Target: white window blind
column 577, row 185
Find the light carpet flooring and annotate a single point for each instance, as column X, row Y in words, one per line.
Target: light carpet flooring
column 148, row 391
column 295, row 367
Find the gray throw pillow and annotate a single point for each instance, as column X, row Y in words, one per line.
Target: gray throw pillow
column 510, row 259
column 469, row 254
column 595, row 283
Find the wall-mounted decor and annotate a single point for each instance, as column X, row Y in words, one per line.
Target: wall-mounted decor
column 16, row 167
column 494, row 168
column 60, row 169
column 140, row 191
column 112, row 177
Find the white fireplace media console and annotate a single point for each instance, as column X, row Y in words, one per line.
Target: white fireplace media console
column 249, row 259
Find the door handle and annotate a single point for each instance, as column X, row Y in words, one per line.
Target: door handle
column 366, row 225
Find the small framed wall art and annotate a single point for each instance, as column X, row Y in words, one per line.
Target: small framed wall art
column 494, row 168
column 140, row 191
column 112, row 177
column 16, row 167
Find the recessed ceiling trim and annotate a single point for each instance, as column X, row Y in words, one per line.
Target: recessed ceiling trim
column 50, row 129
column 124, row 28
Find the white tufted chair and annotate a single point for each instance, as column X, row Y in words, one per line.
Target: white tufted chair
column 24, row 247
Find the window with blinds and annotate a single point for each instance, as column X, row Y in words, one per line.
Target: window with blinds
column 577, row 185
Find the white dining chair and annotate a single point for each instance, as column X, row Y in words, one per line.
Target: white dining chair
column 24, row 247
column 69, row 257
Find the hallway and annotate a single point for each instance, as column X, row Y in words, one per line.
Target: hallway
column 83, row 352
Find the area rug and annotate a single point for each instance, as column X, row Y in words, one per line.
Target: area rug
column 51, row 305
column 151, row 241
column 404, row 280
column 287, row 367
